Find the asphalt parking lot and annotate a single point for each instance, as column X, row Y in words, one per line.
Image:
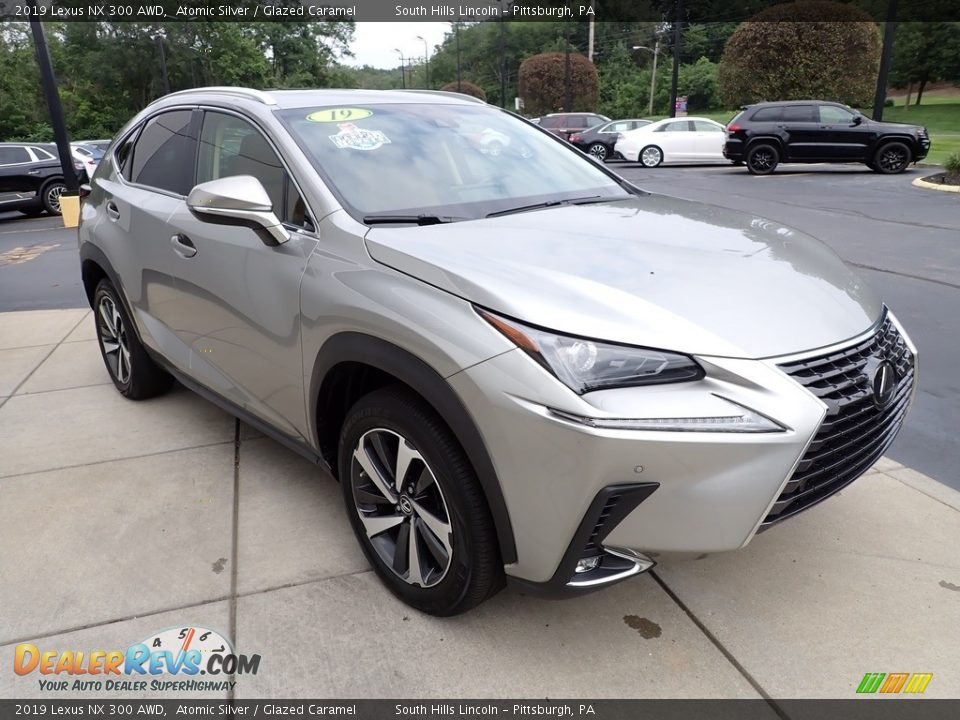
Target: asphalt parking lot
column 119, row 519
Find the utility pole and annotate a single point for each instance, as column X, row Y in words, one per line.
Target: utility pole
column 163, row 64
column 52, row 96
column 567, row 75
column 890, row 27
column 403, row 69
column 676, row 58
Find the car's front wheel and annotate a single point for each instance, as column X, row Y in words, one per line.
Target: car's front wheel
column 416, row 505
column 762, row 159
column 134, row 374
column 598, row 150
column 891, row 158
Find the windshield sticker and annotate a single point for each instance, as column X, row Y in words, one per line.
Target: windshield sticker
column 339, row 115
column 353, row 138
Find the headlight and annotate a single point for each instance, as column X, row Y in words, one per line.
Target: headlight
column 586, row 365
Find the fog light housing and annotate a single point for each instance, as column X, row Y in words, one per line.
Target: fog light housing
column 587, row 564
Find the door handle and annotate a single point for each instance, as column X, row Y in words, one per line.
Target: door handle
column 112, row 212
column 183, row 245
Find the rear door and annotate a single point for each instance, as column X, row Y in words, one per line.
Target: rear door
column 804, row 139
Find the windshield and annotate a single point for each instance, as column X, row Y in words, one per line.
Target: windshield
column 455, row 161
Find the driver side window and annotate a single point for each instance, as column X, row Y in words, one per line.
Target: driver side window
column 232, row 146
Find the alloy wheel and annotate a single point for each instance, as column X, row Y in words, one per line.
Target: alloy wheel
column 892, row 159
column 113, row 339
column 651, row 156
column 401, row 507
column 53, row 196
column 599, row 151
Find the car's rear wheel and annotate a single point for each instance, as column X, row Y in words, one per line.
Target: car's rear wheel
column 891, row 158
column 598, row 150
column 651, row 156
column 50, row 196
column 133, row 372
column 762, row 159
column 416, row 505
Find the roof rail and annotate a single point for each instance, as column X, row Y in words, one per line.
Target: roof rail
column 443, row 93
column 248, row 93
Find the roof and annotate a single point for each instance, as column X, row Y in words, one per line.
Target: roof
column 329, row 96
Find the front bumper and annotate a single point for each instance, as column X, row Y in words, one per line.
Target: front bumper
column 705, row 492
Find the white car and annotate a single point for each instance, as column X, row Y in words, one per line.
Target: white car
column 674, row 140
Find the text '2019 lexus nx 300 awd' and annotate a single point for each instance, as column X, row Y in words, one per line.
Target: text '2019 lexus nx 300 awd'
column 519, row 366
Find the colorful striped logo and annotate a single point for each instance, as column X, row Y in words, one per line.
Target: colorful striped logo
column 893, row 683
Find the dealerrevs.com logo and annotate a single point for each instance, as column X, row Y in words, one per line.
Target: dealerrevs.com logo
column 170, row 660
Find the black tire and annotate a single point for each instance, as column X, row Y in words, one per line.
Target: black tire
column 762, row 159
column 50, row 196
column 651, row 156
column 133, row 372
column 442, row 478
column 891, row 158
column 599, row 151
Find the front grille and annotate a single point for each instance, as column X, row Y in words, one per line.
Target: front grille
column 856, row 430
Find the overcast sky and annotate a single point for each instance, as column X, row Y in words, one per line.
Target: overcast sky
column 373, row 42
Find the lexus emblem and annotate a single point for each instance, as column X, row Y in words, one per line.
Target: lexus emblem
column 884, row 383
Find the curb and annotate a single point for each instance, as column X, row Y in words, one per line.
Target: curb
column 921, row 183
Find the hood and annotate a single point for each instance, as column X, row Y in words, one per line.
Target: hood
column 653, row 271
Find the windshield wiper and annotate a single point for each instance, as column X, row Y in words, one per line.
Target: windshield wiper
column 552, row 203
column 387, row 219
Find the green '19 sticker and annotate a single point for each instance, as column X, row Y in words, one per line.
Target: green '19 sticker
column 339, row 114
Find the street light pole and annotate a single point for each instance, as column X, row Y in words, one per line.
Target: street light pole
column 403, row 69
column 426, row 59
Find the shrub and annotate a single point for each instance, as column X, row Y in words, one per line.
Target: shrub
column 810, row 49
column 541, row 83
column 952, row 165
column 467, row 88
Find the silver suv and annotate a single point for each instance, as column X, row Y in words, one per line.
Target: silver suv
column 519, row 366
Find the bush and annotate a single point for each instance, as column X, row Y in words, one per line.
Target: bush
column 541, row 83
column 811, row 49
column 952, row 165
column 467, row 88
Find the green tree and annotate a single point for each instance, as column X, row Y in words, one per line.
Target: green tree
column 805, row 49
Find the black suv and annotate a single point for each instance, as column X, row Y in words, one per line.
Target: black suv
column 31, row 180
column 805, row 131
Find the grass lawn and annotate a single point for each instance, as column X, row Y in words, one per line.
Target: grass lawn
column 941, row 117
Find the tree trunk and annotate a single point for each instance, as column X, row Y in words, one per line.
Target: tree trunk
column 923, row 84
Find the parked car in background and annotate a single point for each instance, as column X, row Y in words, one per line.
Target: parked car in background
column 600, row 139
column 807, row 131
column 565, row 124
column 31, row 179
column 674, row 140
column 482, row 348
column 89, row 154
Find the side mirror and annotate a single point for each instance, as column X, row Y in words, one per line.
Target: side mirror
column 238, row 200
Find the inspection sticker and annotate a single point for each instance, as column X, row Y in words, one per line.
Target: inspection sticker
column 339, row 114
column 355, row 138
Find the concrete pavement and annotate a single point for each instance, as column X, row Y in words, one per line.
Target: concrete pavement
column 119, row 519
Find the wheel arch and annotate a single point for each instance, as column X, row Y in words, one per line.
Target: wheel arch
column 350, row 364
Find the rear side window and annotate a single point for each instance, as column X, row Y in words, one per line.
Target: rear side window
column 799, row 113
column 164, row 153
column 767, row 114
column 13, row 155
